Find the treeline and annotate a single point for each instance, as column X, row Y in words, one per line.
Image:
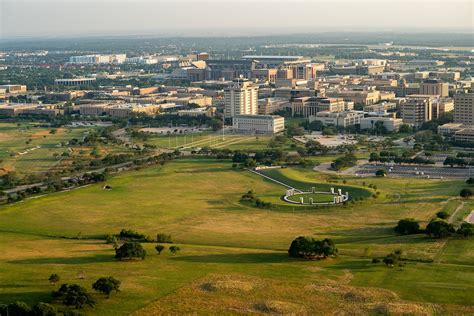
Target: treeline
column 390, row 156
column 52, row 182
column 164, row 120
column 455, row 161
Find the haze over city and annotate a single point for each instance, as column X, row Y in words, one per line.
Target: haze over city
column 48, row 18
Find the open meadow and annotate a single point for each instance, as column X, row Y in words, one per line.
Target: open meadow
column 233, row 256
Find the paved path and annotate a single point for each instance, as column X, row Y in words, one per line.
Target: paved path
column 274, row 180
column 453, row 216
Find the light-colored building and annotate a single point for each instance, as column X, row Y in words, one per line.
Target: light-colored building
column 464, row 108
column 449, row 129
column 98, row 59
column 310, row 106
column 268, row 106
column 259, row 124
column 465, row 135
column 391, row 124
column 416, row 110
column 75, row 81
column 358, row 97
column 434, row 87
column 209, row 112
column 241, row 98
column 14, row 88
column 338, row 119
column 118, row 110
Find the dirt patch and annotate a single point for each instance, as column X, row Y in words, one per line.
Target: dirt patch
column 354, row 294
column 279, row 308
column 402, row 309
column 227, row 286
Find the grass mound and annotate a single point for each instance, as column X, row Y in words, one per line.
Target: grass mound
column 278, row 307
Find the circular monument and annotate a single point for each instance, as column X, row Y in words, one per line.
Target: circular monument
column 314, row 197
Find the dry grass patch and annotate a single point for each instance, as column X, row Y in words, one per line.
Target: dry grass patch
column 229, row 284
column 279, row 308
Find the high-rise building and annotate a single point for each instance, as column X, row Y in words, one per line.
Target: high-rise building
column 241, row 98
column 464, row 108
column 417, row 110
column 434, row 87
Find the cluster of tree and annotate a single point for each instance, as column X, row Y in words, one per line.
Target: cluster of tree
column 175, row 120
column 348, row 160
column 394, row 157
column 23, row 309
column 265, row 157
column 455, row 161
column 463, row 154
column 130, row 235
column 173, row 249
column 308, row 247
column 130, row 250
column 52, row 181
column 466, row 193
column 252, row 198
column 436, row 228
column 391, row 259
column 77, row 296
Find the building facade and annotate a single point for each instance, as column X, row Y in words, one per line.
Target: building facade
column 241, row 98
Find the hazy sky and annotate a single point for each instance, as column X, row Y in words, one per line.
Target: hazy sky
column 228, row 17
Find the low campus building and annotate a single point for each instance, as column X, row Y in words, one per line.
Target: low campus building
column 259, row 124
column 338, row 119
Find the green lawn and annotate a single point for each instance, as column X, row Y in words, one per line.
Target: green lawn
column 316, row 197
column 240, row 249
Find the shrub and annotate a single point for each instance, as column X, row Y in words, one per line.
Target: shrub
column 466, row 193
column 439, row 228
column 407, row 226
column 54, row 278
column 164, row 238
column 159, row 248
column 307, row 247
column 74, row 295
column 442, row 215
column 130, row 250
column 106, row 285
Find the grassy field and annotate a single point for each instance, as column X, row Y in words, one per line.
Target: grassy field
column 38, row 155
column 316, row 197
column 233, row 257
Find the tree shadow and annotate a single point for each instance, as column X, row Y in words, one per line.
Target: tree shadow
column 67, row 260
column 29, row 297
column 238, row 258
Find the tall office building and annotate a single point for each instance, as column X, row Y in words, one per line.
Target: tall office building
column 434, row 87
column 417, row 110
column 241, row 98
column 464, row 108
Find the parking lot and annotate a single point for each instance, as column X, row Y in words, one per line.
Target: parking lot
column 412, row 171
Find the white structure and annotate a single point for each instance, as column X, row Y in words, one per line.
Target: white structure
column 390, row 123
column 338, row 119
column 259, row 124
column 75, row 81
column 241, row 98
column 98, row 59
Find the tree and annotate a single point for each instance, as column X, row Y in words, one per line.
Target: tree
column 164, row 238
column 307, row 247
column 466, row 193
column 466, row 230
column 74, row 295
column 130, row 250
column 381, row 173
column 329, row 131
column 439, row 228
column 43, row 309
column 159, row 248
column 106, row 285
column 442, row 215
column 174, row 249
column 54, row 278
column 15, row 309
column 407, row 226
